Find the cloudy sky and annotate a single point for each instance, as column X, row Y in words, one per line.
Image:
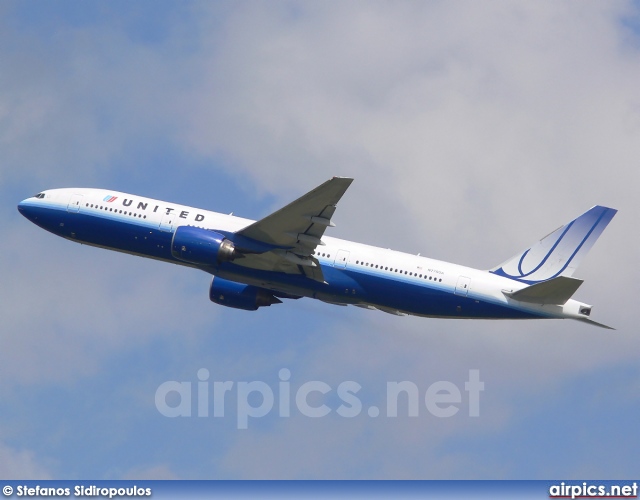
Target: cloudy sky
column 471, row 129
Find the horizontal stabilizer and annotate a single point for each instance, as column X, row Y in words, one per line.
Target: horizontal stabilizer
column 554, row 291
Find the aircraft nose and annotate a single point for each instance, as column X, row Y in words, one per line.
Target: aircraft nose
column 26, row 209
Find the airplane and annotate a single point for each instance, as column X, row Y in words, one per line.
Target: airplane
column 285, row 255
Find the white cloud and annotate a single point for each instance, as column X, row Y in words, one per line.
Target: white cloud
column 68, row 314
column 20, row 464
column 471, row 129
column 75, row 102
column 470, row 122
column 481, row 128
column 519, row 362
column 153, row 473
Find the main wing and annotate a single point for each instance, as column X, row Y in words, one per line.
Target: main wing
column 296, row 230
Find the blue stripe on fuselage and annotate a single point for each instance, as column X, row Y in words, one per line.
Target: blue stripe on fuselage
column 141, row 237
column 111, row 231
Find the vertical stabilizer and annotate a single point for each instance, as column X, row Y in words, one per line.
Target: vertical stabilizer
column 559, row 253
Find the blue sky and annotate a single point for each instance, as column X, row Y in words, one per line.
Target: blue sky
column 471, row 131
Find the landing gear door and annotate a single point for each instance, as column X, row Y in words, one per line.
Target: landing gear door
column 74, row 203
column 342, row 257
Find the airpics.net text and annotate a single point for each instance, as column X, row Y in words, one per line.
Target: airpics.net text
column 257, row 399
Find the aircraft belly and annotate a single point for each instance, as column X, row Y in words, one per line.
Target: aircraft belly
column 418, row 298
column 348, row 287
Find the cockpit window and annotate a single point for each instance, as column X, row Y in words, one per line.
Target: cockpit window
column 39, row 196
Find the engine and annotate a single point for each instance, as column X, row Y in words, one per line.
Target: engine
column 240, row 296
column 201, row 246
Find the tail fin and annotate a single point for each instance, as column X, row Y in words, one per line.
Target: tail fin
column 559, row 253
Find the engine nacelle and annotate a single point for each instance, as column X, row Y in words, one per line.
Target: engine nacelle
column 240, row 296
column 201, row 246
